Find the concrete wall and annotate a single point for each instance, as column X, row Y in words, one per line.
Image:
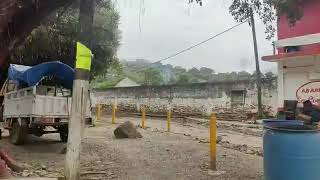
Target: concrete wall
column 229, row 99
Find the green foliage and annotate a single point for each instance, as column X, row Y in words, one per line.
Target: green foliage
column 179, row 69
column 243, row 75
column 241, row 10
column 269, row 75
column 152, row 76
column 56, row 39
column 111, row 77
column 104, row 85
column 141, row 72
column 186, row 78
column 206, row 73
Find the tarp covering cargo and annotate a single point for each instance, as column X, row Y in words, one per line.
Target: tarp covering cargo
column 31, row 75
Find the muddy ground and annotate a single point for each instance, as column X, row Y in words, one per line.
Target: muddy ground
column 180, row 154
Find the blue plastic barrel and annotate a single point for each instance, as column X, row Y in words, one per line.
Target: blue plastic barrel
column 277, row 122
column 291, row 153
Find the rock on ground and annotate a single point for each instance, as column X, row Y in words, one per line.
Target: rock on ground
column 127, row 130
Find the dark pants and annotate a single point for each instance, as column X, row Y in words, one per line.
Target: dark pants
column 315, row 115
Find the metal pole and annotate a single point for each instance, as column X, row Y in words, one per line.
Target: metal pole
column 80, row 91
column 257, row 62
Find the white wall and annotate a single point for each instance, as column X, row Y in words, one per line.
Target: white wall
column 294, row 73
column 191, row 99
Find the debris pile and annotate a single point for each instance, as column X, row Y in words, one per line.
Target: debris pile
column 232, row 116
column 252, row 130
column 242, row 148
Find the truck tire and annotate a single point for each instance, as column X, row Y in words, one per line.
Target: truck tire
column 64, row 134
column 18, row 133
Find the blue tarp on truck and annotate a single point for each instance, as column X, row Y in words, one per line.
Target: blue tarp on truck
column 31, row 75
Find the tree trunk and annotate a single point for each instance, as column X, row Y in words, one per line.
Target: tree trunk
column 256, row 55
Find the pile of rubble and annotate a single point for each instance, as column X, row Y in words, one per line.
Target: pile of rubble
column 41, row 171
column 232, row 116
column 238, row 147
column 242, row 148
column 253, row 130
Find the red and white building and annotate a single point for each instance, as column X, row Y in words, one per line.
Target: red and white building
column 298, row 56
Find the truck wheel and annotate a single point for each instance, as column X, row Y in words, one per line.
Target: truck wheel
column 64, row 134
column 18, row 133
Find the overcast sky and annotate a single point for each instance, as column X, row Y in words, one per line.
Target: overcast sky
column 168, row 26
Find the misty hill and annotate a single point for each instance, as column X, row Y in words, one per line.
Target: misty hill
column 146, row 73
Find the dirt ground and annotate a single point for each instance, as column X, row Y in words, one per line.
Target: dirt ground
column 180, row 154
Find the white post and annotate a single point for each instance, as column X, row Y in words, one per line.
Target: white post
column 80, row 91
column 280, row 84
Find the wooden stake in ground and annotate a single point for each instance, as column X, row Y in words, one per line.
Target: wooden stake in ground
column 80, row 92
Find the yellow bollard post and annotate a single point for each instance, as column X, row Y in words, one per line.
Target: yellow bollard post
column 98, row 111
column 143, row 117
column 113, row 113
column 213, row 142
column 169, row 120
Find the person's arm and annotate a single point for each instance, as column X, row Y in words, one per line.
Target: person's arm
column 305, row 118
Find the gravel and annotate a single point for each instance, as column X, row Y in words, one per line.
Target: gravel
column 158, row 155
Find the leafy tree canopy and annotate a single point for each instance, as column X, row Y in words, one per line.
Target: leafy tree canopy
column 56, row 38
column 152, row 76
column 241, row 10
column 141, row 72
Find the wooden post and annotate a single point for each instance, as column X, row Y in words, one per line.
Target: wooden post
column 80, row 93
column 143, row 117
column 169, row 120
column 256, row 55
column 113, row 121
column 213, row 142
column 99, row 111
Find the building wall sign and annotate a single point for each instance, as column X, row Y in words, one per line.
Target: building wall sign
column 309, row 91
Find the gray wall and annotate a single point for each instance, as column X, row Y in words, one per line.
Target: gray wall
column 236, row 99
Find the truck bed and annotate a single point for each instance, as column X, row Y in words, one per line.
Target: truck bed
column 26, row 103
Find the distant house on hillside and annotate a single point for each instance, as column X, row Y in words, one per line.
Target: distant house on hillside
column 202, row 81
column 126, row 82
